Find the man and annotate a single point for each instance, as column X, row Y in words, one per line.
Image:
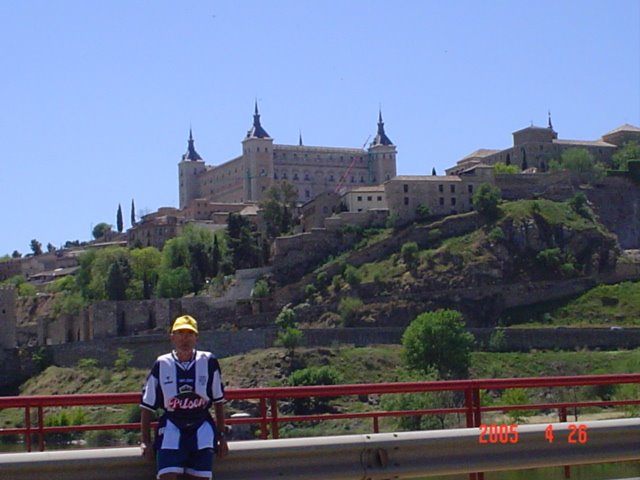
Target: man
column 184, row 383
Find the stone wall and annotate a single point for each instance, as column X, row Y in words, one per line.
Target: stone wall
column 552, row 186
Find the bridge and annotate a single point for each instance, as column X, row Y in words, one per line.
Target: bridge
column 478, row 447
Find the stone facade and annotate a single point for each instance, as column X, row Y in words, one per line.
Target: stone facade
column 312, row 170
column 442, row 195
column 534, row 147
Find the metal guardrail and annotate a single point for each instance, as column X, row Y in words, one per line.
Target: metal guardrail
column 383, row 456
column 269, row 417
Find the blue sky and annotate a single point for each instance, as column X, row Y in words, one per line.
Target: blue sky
column 97, row 97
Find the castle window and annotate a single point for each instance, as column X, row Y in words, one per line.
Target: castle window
column 405, row 188
column 406, row 200
column 307, row 194
column 306, row 177
column 379, row 198
column 441, row 188
column 369, row 198
column 353, row 179
column 284, row 176
column 453, row 200
column 257, row 149
column 331, row 179
column 359, row 210
column 361, row 179
column 275, row 175
column 359, row 199
column 295, row 176
column 453, row 188
column 325, row 209
column 470, row 188
column 441, row 200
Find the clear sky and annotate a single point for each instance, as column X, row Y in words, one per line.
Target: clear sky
column 97, row 97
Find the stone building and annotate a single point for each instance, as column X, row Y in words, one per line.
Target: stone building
column 441, row 194
column 534, row 147
column 312, row 170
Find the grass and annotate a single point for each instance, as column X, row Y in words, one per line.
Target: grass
column 601, row 306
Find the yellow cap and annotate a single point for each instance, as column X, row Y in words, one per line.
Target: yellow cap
column 185, row 322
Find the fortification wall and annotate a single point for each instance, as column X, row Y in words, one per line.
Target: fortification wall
column 553, row 186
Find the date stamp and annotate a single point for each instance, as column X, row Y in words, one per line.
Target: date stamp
column 508, row 433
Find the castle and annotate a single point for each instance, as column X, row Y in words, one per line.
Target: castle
column 312, row 170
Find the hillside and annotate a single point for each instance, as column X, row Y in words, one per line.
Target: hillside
column 535, row 250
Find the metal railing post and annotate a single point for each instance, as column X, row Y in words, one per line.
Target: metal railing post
column 264, row 424
column 274, row 418
column 40, row 428
column 27, row 425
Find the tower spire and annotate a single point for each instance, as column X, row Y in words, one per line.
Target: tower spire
column 550, row 125
column 381, row 137
column 191, row 153
column 257, row 131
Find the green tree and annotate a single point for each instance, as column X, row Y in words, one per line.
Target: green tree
column 245, row 252
column 133, row 213
column 100, row 230
column 174, row 283
column 145, row 265
column 36, row 247
column 119, row 221
column 506, row 169
column 16, row 254
column 216, row 257
column 118, row 278
column 486, row 199
column 438, row 340
column 580, row 163
column 279, row 207
column 289, row 336
column 629, row 151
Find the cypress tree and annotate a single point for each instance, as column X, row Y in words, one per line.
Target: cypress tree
column 119, row 222
column 133, row 213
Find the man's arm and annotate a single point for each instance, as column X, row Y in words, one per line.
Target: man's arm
column 145, row 432
column 221, row 439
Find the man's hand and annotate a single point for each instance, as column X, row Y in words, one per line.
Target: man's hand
column 147, row 452
column 223, row 448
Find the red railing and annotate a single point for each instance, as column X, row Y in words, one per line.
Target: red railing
column 269, row 417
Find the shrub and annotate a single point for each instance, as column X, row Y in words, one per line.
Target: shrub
column 325, row 375
column 123, row 360
column 516, row 396
column 496, row 234
column 352, row 276
column 550, row 257
column 497, row 341
column 310, row 289
column 322, row 278
column 261, row 289
column 409, row 253
column 348, row 309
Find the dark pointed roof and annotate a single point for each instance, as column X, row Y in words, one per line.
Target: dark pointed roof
column 381, row 137
column 191, row 150
column 300, row 139
column 550, row 125
column 257, row 131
